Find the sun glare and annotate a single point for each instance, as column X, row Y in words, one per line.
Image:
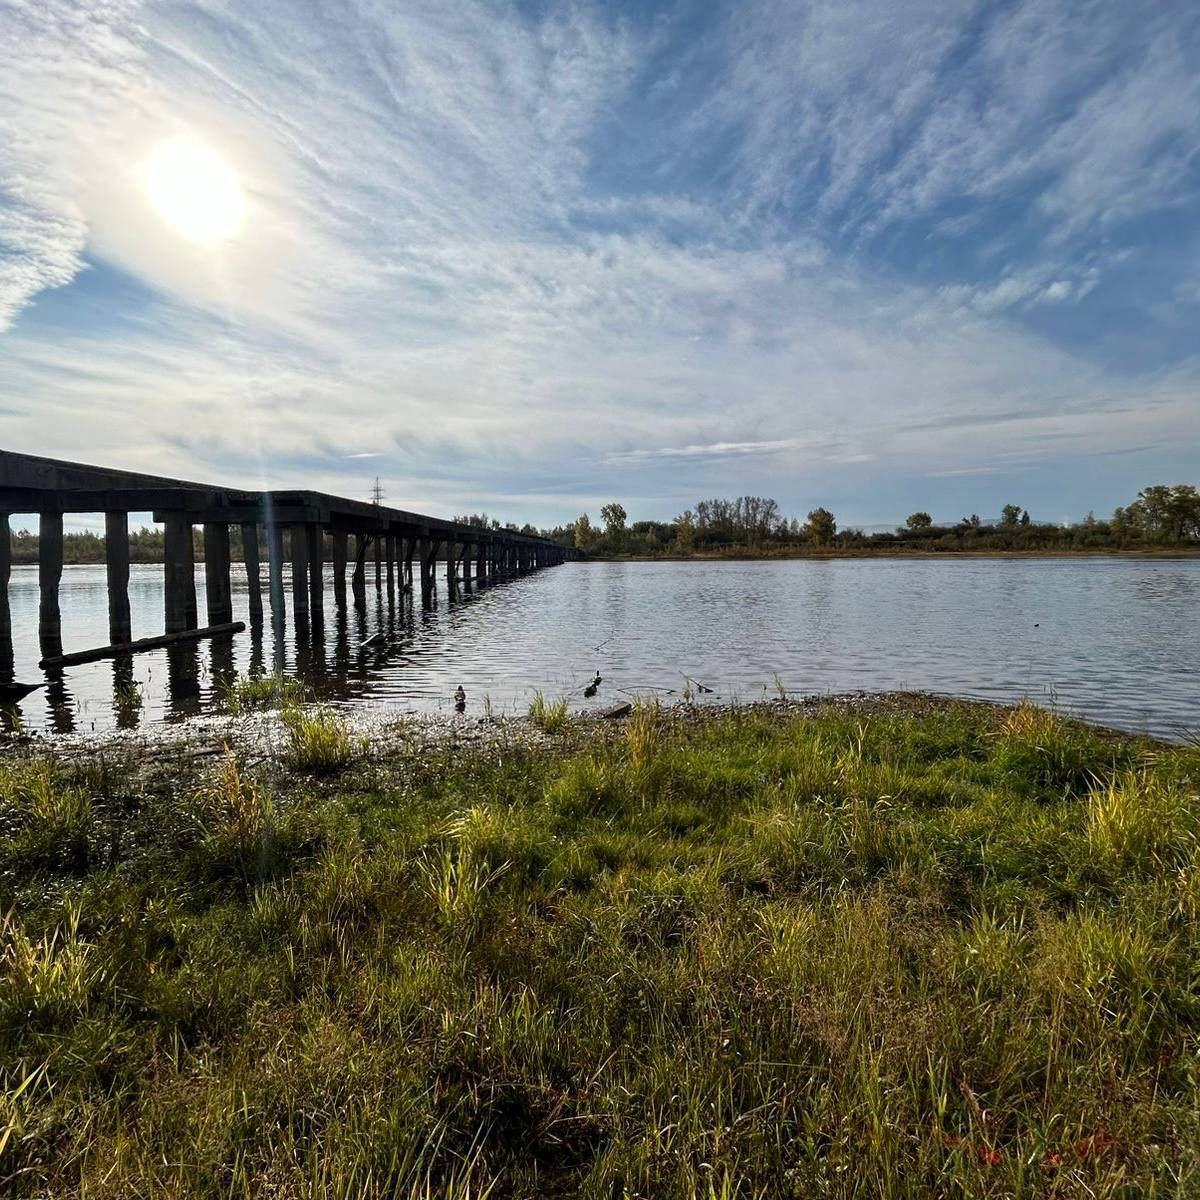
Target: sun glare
column 195, row 192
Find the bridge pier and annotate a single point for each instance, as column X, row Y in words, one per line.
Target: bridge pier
column 116, row 562
column 179, row 573
column 298, row 541
column 5, row 575
column 50, row 565
column 378, row 562
column 358, row 581
column 253, row 570
column 275, row 573
column 390, row 554
column 314, row 538
column 409, row 546
column 217, row 589
column 429, row 553
column 340, row 554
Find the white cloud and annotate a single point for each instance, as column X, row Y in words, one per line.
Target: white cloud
column 414, row 285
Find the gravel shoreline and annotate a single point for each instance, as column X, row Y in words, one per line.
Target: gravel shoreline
column 261, row 734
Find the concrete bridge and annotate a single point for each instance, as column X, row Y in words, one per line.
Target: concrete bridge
column 354, row 535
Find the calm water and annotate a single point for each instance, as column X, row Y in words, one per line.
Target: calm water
column 1113, row 640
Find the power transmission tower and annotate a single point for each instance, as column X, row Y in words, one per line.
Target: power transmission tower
column 377, row 493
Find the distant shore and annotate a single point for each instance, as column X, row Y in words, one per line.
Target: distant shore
column 868, row 552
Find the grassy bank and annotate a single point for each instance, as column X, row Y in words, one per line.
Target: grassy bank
column 908, row 950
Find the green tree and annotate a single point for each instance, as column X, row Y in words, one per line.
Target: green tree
column 585, row 535
column 821, row 527
column 614, row 516
column 1010, row 516
column 918, row 520
column 685, row 532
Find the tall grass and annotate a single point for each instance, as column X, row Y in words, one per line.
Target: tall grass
column 267, row 691
column 829, row 955
column 318, row 740
column 550, row 716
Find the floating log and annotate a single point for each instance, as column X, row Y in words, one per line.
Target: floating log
column 10, row 693
column 151, row 643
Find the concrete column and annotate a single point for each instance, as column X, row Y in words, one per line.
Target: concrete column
column 340, row 555
column 451, row 568
column 217, row 589
column 253, row 570
column 315, row 537
column 275, row 572
column 358, row 581
column 116, row 561
column 410, row 546
column 390, row 555
column 378, row 561
column 50, row 565
column 180, row 573
column 299, row 546
column 5, row 575
column 480, row 562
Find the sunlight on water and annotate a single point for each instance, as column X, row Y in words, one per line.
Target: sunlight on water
column 1109, row 639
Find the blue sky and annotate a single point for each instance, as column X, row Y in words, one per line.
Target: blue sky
column 531, row 257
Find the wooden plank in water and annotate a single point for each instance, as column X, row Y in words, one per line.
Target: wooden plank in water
column 150, row 643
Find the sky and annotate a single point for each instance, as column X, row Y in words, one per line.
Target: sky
column 528, row 258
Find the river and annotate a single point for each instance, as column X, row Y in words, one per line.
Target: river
column 1113, row 640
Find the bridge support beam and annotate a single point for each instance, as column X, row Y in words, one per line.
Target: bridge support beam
column 253, row 570
column 378, row 562
column 217, row 588
column 116, row 563
column 5, row 575
column 390, row 554
column 50, row 565
column 275, row 573
column 314, row 537
column 358, row 581
column 179, row 573
column 340, row 555
column 406, row 570
column 298, row 540
column 429, row 553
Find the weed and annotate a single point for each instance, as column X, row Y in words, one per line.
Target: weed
column 642, row 732
column 549, row 715
column 267, row 691
column 319, row 740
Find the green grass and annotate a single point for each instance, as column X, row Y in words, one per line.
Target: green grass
column 549, row 715
column 266, row 691
column 945, row 952
column 318, row 740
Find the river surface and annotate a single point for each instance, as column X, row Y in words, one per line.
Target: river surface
column 1113, row 640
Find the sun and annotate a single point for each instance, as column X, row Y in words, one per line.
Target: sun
column 195, row 192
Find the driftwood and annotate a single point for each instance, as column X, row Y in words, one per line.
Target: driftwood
column 151, row 643
column 617, row 710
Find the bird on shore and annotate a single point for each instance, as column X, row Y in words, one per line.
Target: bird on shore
column 460, row 698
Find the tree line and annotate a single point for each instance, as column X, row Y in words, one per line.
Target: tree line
column 1160, row 516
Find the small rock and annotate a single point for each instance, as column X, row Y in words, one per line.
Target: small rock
column 617, row 710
